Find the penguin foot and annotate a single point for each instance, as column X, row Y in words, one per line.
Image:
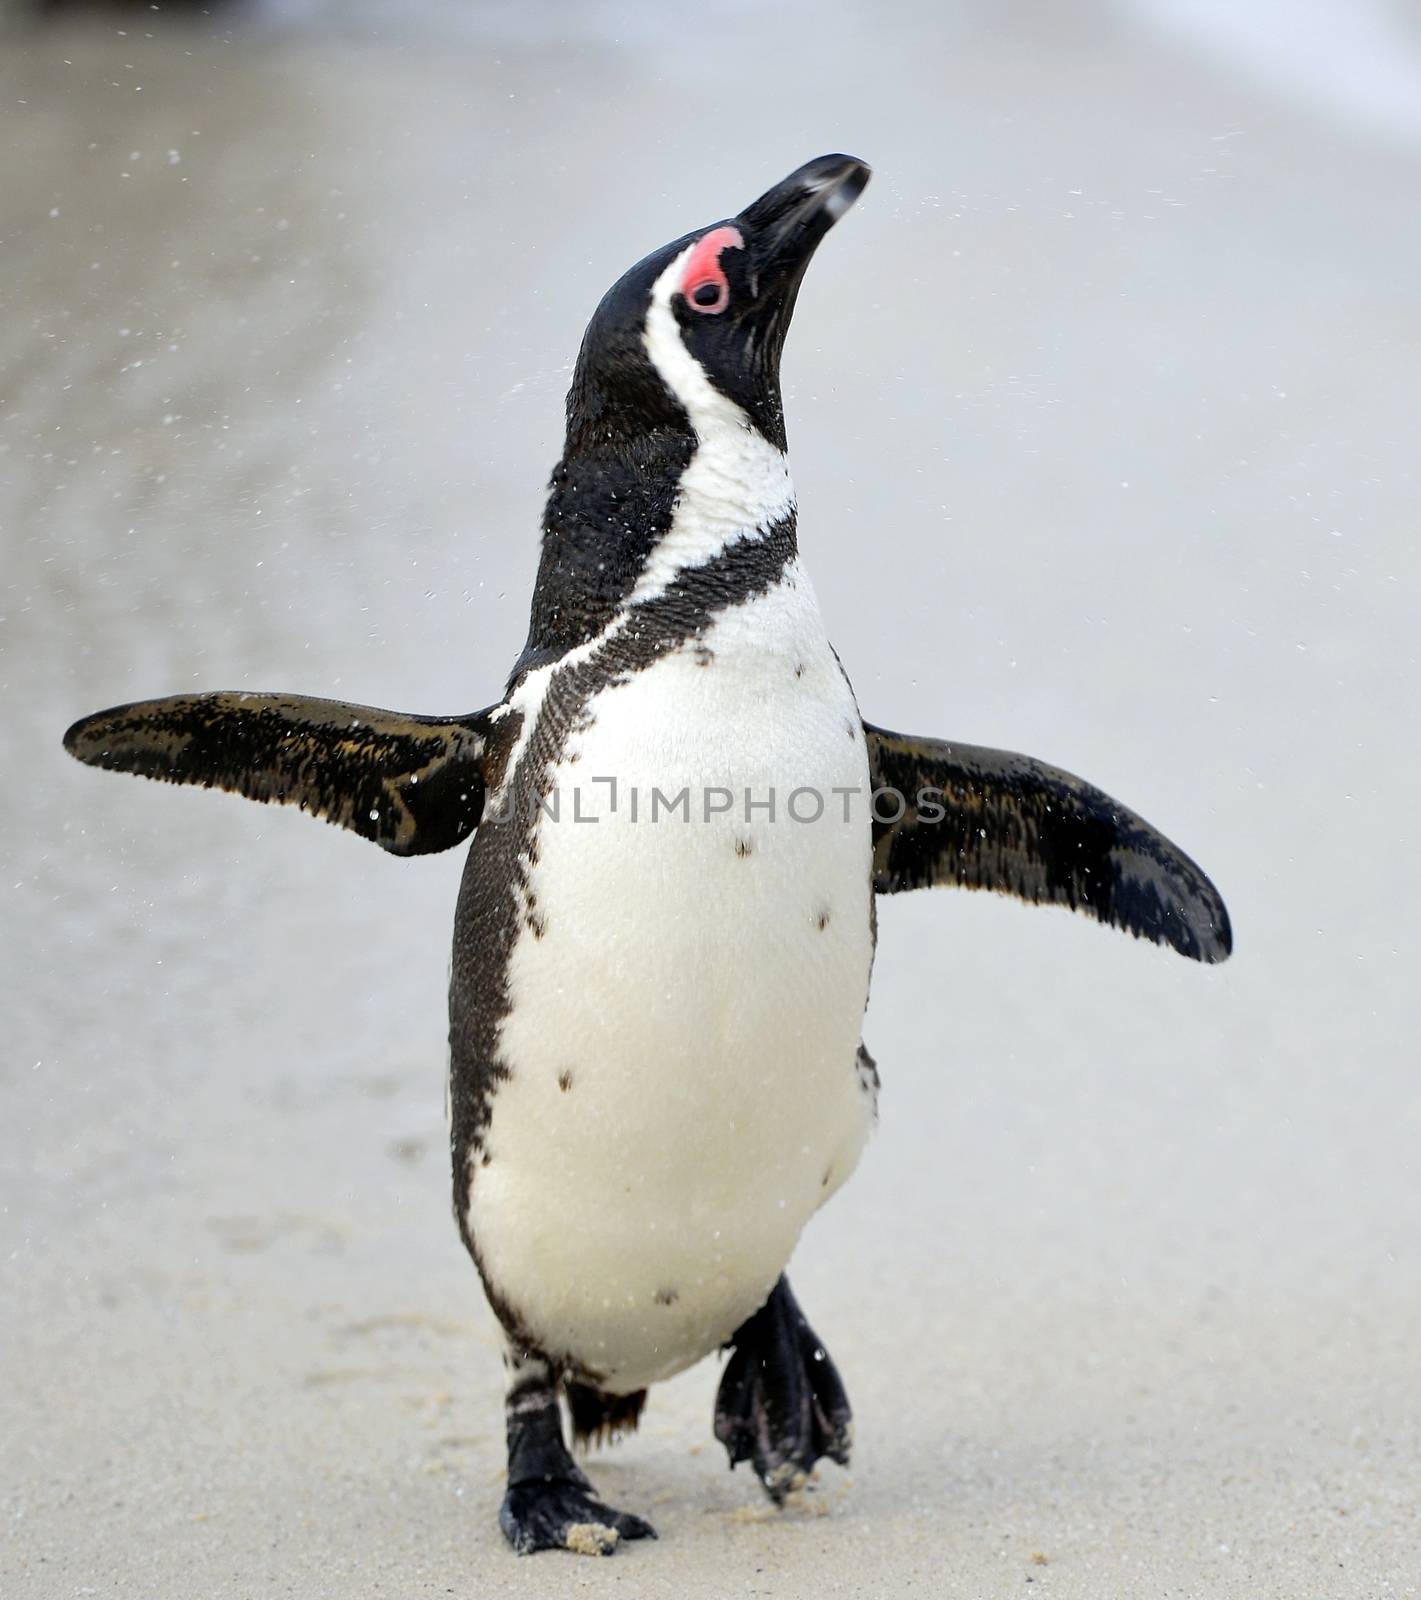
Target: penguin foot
column 563, row 1514
column 781, row 1404
column 549, row 1504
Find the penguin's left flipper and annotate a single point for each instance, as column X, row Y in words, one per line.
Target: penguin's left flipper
column 987, row 819
column 781, row 1404
column 412, row 785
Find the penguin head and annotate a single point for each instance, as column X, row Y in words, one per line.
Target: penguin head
column 692, row 334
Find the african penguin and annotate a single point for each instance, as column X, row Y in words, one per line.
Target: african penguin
column 665, row 928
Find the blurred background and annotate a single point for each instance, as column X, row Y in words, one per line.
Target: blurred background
column 1102, row 406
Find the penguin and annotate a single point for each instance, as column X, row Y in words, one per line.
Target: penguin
column 666, row 926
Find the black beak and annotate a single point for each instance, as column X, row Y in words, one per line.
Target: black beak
column 786, row 223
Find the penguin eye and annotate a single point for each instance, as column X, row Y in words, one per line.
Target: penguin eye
column 704, row 285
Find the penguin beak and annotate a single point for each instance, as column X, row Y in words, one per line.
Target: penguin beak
column 786, row 223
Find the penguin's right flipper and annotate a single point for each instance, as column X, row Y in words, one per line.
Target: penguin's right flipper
column 412, row 785
column 989, row 819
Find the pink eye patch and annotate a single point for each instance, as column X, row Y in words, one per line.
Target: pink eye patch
column 704, row 284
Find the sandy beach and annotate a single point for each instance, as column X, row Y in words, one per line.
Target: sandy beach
column 1102, row 409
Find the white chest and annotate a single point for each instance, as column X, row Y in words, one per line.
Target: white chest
column 683, row 1028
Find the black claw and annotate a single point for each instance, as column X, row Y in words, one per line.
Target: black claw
column 781, row 1404
column 562, row 1514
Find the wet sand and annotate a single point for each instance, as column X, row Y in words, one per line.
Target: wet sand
column 1102, row 409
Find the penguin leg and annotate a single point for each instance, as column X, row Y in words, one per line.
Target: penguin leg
column 781, row 1403
column 549, row 1504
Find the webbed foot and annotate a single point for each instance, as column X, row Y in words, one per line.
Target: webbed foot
column 564, row 1514
column 781, row 1404
column 549, row 1504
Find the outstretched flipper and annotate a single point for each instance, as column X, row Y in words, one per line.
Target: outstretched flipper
column 412, row 785
column 988, row 819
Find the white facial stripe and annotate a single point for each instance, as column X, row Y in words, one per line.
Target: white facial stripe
column 737, row 484
column 679, row 369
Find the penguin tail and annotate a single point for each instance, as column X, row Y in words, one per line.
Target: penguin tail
column 599, row 1418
